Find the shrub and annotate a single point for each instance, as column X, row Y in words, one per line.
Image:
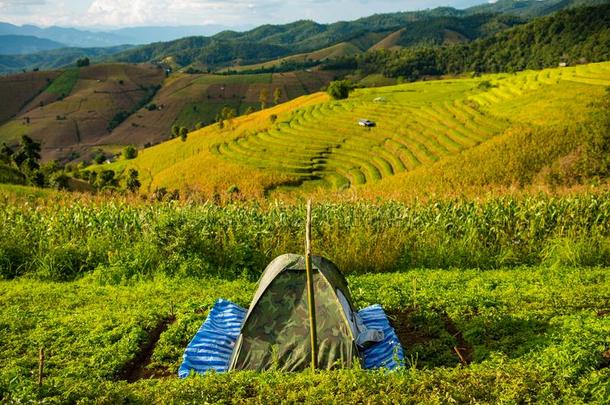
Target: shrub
column 339, row 89
column 130, row 152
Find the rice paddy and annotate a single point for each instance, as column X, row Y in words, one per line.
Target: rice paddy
column 416, row 125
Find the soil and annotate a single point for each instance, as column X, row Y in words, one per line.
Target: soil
column 463, row 349
column 137, row 368
column 409, row 336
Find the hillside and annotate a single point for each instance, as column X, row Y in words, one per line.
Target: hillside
column 75, row 109
column 572, row 37
column 54, row 59
column 19, row 90
column 317, row 144
column 269, row 42
column 23, row 44
column 197, row 99
column 70, row 111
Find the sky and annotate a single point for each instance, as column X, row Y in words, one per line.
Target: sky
column 123, row 13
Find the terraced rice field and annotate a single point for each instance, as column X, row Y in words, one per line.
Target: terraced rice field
column 417, row 124
column 187, row 100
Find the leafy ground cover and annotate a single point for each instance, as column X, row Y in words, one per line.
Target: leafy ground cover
column 536, row 334
column 502, row 300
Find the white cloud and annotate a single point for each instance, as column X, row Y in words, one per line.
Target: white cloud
column 113, row 13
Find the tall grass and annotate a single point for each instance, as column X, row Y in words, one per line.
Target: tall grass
column 119, row 242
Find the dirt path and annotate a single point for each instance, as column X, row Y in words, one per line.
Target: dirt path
column 410, row 334
column 136, row 369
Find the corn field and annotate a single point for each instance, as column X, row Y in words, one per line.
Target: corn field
column 118, row 241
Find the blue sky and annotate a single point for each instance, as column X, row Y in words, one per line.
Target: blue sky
column 121, row 13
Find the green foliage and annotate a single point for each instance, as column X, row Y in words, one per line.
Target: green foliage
column 534, row 335
column 99, row 157
column 64, row 83
column 122, row 115
column 132, row 183
column 10, row 175
column 234, row 239
column 82, row 62
column 573, row 36
column 117, row 119
column 183, row 134
column 130, row 152
column 339, row 89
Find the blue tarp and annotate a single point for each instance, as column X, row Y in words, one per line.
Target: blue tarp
column 213, row 344
column 388, row 353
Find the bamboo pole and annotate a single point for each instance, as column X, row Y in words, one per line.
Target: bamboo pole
column 40, row 366
column 311, row 303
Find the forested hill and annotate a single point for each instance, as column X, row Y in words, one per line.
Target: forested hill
column 570, row 36
column 272, row 41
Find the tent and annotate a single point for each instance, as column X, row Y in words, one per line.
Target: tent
column 274, row 332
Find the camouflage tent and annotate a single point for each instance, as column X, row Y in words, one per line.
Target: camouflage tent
column 275, row 332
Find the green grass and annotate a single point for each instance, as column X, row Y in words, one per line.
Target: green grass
column 64, row 84
column 534, row 335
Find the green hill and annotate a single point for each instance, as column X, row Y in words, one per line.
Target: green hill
column 572, row 36
column 54, row 59
column 269, row 42
column 317, row 144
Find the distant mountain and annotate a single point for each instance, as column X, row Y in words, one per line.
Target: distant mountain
column 147, row 35
column 440, row 25
column 532, row 8
column 274, row 41
column 23, row 44
column 55, row 58
column 69, row 36
column 135, row 35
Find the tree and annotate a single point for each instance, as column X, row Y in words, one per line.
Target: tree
column 249, row 110
column 106, row 179
column 183, row 133
column 60, row 181
column 175, row 131
column 339, row 89
column 6, row 153
column 99, row 157
column 263, row 98
column 28, row 155
column 277, row 95
column 82, row 62
column 132, row 183
column 130, row 152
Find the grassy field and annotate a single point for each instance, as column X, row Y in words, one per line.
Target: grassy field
column 64, row 83
column 114, row 289
column 335, row 51
column 316, row 145
column 529, row 334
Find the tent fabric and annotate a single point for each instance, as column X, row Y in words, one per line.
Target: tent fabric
column 212, row 345
column 275, row 333
column 387, row 353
